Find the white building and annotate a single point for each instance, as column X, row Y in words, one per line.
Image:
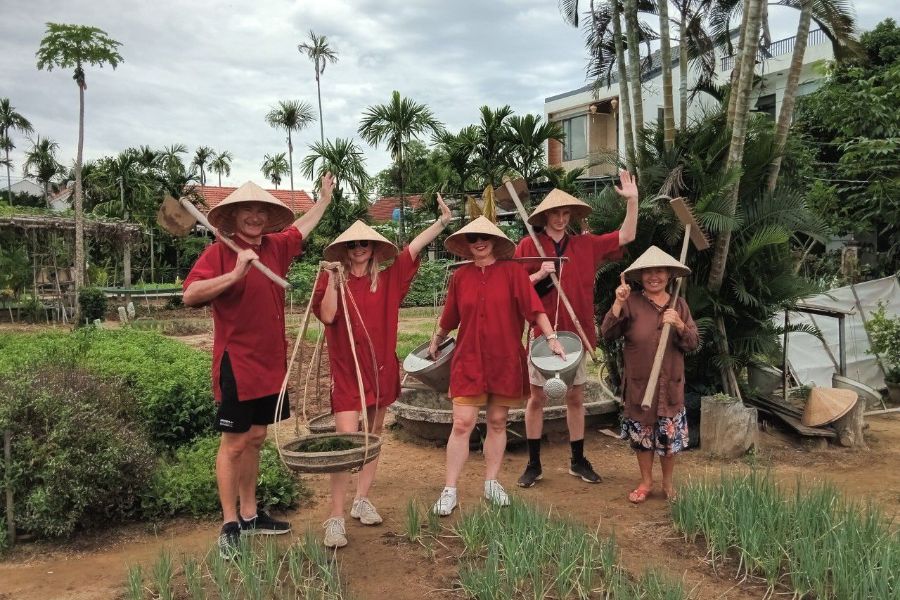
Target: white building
column 592, row 123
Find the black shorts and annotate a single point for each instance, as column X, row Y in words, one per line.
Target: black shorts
column 235, row 416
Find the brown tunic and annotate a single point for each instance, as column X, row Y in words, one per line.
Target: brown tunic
column 640, row 322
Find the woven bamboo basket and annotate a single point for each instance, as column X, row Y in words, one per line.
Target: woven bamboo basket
column 333, row 461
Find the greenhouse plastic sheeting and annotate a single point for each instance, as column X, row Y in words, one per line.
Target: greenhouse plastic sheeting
column 809, row 361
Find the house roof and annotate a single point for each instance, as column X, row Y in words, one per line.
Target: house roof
column 212, row 195
column 383, row 209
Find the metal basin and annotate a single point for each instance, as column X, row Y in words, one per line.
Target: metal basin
column 433, row 373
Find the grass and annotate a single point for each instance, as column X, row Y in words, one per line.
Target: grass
column 262, row 571
column 812, row 541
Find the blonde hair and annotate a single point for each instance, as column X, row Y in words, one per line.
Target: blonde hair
column 372, row 269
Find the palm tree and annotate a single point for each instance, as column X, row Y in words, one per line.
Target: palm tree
column 222, row 164
column 345, row 160
column 320, row 53
column 202, row 156
column 632, row 27
column 74, row 46
column 490, row 157
column 395, row 124
column 171, row 158
column 457, row 150
column 274, row 167
column 665, row 56
column 10, row 120
column 290, row 115
column 41, row 164
column 527, row 137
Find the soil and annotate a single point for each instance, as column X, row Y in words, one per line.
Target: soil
column 380, row 563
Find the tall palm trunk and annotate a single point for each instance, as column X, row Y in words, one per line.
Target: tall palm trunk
column 634, row 69
column 682, row 72
column 735, row 70
column 220, row 178
column 402, row 202
column 665, row 56
column 319, row 91
column 291, row 166
column 790, row 91
column 8, row 180
column 79, row 206
column 624, row 101
column 753, row 10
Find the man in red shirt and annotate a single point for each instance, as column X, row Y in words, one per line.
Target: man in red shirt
column 585, row 253
column 249, row 344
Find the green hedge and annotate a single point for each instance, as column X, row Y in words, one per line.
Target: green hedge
column 187, row 484
column 428, row 282
column 170, row 382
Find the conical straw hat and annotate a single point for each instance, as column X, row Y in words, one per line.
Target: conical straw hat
column 359, row 231
column 457, row 244
column 826, row 405
column 559, row 199
column 280, row 216
column 654, row 257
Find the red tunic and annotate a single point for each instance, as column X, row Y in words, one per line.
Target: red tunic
column 490, row 306
column 586, row 253
column 248, row 317
column 380, row 311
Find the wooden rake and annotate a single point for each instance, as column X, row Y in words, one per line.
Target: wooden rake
column 692, row 233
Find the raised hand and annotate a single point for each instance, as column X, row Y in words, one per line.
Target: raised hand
column 624, row 290
column 445, row 211
column 326, row 186
column 628, row 185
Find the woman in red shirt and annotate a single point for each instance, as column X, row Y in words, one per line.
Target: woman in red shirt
column 490, row 300
column 373, row 302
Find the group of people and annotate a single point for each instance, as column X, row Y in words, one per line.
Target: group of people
column 490, row 299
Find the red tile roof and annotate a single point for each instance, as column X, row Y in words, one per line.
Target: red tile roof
column 213, row 195
column 383, row 209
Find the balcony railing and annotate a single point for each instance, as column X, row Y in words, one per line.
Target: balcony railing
column 778, row 48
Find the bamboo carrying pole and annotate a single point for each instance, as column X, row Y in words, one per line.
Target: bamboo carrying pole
column 537, row 244
column 10, row 511
column 230, row 243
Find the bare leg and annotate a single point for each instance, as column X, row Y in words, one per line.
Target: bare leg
column 575, row 412
column 495, row 443
column 534, row 413
column 464, row 418
column 228, row 471
column 645, row 462
column 344, row 422
column 668, row 467
column 367, row 474
column 250, row 470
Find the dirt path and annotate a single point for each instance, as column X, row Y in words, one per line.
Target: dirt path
column 379, row 563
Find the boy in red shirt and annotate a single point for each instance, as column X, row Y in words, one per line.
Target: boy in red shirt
column 585, row 253
column 249, row 345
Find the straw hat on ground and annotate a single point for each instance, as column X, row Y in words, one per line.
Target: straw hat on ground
column 654, row 257
column 826, row 405
column 559, row 199
column 359, row 231
column 280, row 216
column 457, row 244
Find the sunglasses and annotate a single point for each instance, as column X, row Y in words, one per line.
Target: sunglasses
column 474, row 237
column 360, row 243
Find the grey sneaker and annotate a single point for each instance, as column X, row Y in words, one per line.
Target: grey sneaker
column 532, row 475
column 263, row 524
column 584, row 470
column 229, row 540
column 335, row 534
column 446, row 503
column 364, row 511
column 495, row 493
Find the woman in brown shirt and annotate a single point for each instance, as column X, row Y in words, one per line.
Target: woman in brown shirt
column 639, row 316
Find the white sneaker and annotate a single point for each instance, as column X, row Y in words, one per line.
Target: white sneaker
column 335, row 534
column 495, row 493
column 364, row 511
column 446, row 503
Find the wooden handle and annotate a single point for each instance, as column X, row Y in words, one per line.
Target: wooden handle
column 537, row 244
column 201, row 218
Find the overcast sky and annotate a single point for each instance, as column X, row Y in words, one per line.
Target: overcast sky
column 205, row 72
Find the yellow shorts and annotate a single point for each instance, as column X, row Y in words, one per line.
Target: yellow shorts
column 486, row 399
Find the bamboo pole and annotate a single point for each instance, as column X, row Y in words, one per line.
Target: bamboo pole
column 10, row 511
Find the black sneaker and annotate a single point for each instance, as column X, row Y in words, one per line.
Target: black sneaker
column 532, row 475
column 582, row 468
column 263, row 524
column 230, row 540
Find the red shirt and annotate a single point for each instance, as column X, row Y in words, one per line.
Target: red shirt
column 490, row 306
column 248, row 317
column 586, row 253
column 380, row 312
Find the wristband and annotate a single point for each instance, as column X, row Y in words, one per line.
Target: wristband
column 551, row 336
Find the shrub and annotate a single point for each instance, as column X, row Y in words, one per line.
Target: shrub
column 187, row 484
column 77, row 460
column 885, row 334
column 430, row 280
column 302, row 277
column 92, row 303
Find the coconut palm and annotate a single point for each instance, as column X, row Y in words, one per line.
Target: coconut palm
column 345, row 160
column 171, row 158
column 273, row 167
column 290, row 115
column 221, row 163
column 202, row 156
column 41, row 164
column 457, row 151
column 491, row 153
column 320, row 53
column 68, row 47
column 527, row 137
column 394, row 124
column 10, row 120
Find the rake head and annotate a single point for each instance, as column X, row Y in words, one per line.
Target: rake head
column 686, row 215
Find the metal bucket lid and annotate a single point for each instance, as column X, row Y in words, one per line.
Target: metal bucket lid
column 418, row 362
column 549, row 364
